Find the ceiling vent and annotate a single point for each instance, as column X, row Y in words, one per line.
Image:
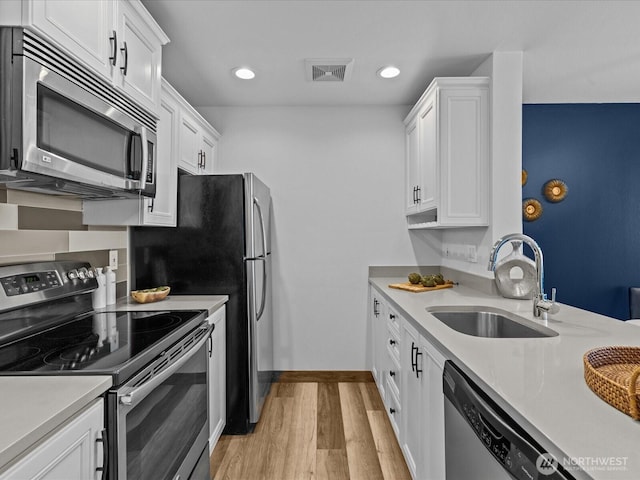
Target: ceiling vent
column 328, row 70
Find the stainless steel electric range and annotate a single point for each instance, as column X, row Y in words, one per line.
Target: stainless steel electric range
column 156, row 411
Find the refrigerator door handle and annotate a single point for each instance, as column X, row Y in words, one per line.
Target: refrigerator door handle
column 262, row 257
column 262, row 229
column 260, row 311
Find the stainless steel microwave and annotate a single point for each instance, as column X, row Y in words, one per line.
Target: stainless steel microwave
column 66, row 130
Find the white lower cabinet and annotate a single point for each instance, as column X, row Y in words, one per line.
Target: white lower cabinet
column 217, row 377
column 72, row 452
column 413, row 377
column 432, row 449
column 394, row 410
column 422, row 431
column 378, row 323
column 410, row 380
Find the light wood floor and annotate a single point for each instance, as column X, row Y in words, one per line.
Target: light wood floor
column 315, row 425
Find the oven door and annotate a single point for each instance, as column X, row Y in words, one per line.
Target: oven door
column 161, row 421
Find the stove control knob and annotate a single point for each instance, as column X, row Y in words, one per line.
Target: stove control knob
column 82, row 273
column 72, row 274
column 91, row 273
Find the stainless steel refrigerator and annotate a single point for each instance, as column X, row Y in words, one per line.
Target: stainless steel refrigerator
column 221, row 246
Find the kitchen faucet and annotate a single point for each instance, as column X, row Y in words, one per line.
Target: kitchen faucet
column 540, row 302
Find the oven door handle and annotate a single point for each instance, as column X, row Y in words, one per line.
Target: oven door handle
column 129, row 399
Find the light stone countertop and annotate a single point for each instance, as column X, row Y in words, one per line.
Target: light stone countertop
column 32, row 407
column 538, row 381
column 211, row 303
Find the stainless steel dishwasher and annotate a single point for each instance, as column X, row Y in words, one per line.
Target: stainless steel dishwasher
column 483, row 443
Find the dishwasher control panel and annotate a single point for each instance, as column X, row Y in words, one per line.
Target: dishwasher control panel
column 500, row 435
column 513, row 460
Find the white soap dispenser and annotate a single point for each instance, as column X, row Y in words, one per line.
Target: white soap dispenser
column 99, row 295
column 110, row 276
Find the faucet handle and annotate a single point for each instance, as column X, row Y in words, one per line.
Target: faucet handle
column 548, row 306
column 555, row 308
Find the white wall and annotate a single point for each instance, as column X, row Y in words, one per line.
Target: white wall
column 337, row 180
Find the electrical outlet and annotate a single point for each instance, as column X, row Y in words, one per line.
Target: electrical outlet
column 113, row 259
column 472, row 254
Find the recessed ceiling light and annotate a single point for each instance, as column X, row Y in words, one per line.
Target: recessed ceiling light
column 389, row 72
column 244, row 73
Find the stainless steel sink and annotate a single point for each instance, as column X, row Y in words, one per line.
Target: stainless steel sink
column 489, row 322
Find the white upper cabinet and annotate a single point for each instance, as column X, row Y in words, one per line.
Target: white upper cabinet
column 161, row 210
column 198, row 143
column 411, row 169
column 182, row 135
column 447, row 155
column 86, row 29
column 118, row 39
column 140, row 50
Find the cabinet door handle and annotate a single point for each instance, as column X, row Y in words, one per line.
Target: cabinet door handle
column 125, row 50
column 114, row 47
column 392, row 373
column 414, row 357
column 414, row 195
column 392, row 316
column 392, row 411
column 105, row 454
column 204, row 159
column 418, row 190
column 418, row 369
column 210, row 347
column 151, row 205
column 376, row 312
column 392, row 342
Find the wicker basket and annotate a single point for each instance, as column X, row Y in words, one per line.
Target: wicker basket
column 612, row 373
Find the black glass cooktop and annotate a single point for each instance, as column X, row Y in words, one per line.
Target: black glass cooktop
column 115, row 343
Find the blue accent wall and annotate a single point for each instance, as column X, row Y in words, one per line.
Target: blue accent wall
column 591, row 239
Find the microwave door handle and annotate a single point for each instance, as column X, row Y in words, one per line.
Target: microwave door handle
column 145, row 163
column 131, row 166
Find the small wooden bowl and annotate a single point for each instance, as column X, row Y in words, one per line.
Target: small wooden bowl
column 150, row 294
